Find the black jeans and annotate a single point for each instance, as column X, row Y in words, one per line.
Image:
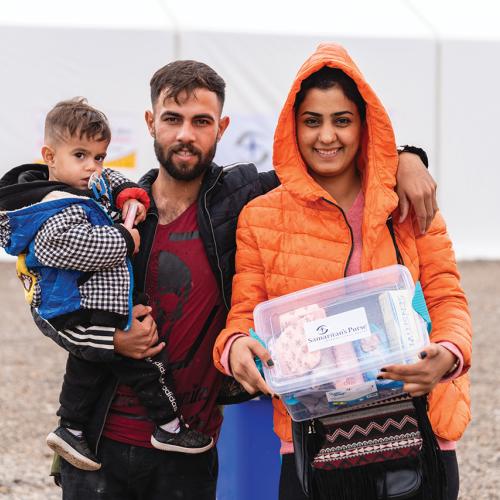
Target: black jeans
column 290, row 488
column 83, row 381
column 136, row 473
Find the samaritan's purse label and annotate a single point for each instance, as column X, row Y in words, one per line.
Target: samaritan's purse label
column 337, row 329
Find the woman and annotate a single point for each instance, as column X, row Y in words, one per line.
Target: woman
column 336, row 158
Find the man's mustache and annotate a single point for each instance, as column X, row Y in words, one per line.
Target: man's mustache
column 185, row 147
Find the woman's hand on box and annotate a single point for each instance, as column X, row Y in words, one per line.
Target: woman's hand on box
column 243, row 367
column 421, row 377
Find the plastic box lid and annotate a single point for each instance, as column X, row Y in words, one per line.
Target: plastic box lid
column 342, row 330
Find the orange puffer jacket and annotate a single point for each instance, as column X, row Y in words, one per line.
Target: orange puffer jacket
column 296, row 236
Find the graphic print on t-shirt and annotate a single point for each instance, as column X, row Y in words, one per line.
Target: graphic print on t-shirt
column 189, row 313
column 173, row 284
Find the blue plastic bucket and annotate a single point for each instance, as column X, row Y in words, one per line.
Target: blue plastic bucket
column 249, row 460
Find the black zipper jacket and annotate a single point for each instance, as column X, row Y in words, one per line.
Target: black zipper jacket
column 224, row 192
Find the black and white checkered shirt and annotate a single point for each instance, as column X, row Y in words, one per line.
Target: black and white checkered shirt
column 68, row 240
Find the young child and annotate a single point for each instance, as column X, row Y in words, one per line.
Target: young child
column 74, row 263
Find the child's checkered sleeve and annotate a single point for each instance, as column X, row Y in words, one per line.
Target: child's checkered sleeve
column 67, row 240
column 124, row 189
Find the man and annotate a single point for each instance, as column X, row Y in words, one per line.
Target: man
column 185, row 267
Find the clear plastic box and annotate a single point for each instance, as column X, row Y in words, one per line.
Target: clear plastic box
column 328, row 342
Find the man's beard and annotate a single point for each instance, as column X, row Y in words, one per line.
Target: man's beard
column 180, row 171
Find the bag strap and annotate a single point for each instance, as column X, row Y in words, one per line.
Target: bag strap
column 390, row 226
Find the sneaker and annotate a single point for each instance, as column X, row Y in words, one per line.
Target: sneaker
column 185, row 441
column 74, row 449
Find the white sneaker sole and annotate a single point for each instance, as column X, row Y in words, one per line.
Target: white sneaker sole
column 180, row 449
column 69, row 454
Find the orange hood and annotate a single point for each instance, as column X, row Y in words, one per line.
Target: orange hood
column 377, row 159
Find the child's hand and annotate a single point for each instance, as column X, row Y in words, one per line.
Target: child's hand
column 141, row 210
column 135, row 236
column 421, row 377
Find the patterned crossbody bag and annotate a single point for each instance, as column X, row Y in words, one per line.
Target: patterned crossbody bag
column 384, row 450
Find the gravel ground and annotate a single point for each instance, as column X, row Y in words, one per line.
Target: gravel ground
column 31, row 369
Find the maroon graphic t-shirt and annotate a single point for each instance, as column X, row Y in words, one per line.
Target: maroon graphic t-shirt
column 188, row 310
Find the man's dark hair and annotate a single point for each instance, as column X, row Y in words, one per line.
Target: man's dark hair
column 326, row 78
column 76, row 118
column 186, row 76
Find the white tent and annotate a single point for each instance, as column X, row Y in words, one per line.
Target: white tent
column 259, row 46
column 467, row 119
column 107, row 51
column 103, row 50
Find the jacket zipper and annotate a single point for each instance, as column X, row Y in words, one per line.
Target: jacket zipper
column 214, row 241
column 130, row 293
column 350, row 231
column 149, row 253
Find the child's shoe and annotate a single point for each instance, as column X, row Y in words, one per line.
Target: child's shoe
column 185, row 441
column 74, row 449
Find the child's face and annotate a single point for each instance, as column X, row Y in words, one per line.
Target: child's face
column 74, row 160
column 328, row 132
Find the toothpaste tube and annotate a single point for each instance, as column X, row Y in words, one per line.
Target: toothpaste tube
column 400, row 324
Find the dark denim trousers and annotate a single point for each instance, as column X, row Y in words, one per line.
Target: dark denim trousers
column 290, row 488
column 137, row 473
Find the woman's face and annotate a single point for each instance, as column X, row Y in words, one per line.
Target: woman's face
column 328, row 132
